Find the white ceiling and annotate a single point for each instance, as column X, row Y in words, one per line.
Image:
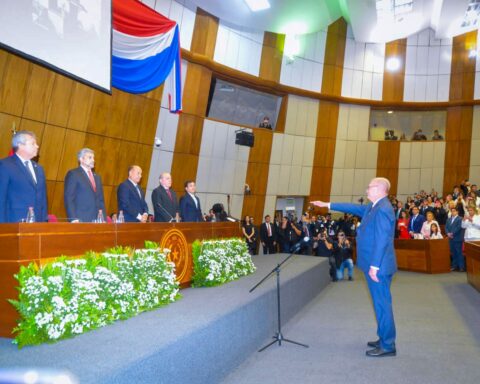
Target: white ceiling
column 305, row 16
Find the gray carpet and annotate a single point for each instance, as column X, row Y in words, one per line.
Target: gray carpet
column 438, row 336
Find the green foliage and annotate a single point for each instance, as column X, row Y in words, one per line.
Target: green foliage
column 70, row 296
column 217, row 262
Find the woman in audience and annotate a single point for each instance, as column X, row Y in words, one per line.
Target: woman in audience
column 435, row 232
column 425, row 231
column 471, row 224
column 402, row 226
column 249, row 234
column 284, row 235
column 460, row 205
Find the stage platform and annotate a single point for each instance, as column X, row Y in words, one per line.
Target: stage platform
column 198, row 339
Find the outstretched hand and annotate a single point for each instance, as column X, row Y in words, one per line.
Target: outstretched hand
column 318, row 203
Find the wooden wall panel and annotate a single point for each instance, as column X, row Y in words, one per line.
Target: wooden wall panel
column 272, row 55
column 388, row 159
column 462, row 77
column 334, row 58
column 197, row 87
column 204, row 35
column 393, row 82
column 67, row 116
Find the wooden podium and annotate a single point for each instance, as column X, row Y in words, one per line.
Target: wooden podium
column 23, row 243
column 428, row 256
column 472, row 256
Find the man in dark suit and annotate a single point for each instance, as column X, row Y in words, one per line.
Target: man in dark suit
column 376, row 258
column 164, row 201
column 131, row 198
column 267, row 236
column 190, row 210
column 416, row 222
column 83, row 193
column 455, row 240
column 22, row 181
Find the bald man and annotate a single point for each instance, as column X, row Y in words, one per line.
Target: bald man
column 131, row 197
column 376, row 258
column 164, row 200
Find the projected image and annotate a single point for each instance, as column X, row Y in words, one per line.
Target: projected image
column 71, row 36
column 67, row 16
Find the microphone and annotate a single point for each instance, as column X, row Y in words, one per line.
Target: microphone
column 168, row 213
column 296, row 247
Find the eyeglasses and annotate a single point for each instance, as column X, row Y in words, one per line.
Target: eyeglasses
column 340, row 235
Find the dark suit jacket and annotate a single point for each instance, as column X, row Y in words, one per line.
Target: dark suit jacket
column 81, row 201
column 18, row 191
column 164, row 207
column 416, row 226
column 188, row 210
column 264, row 233
column 130, row 202
column 374, row 236
column 455, row 227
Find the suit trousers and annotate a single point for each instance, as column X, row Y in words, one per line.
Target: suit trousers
column 382, row 304
column 269, row 248
column 457, row 254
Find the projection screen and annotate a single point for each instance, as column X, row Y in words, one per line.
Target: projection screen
column 72, row 37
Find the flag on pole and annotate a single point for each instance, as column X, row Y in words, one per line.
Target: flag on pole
column 145, row 51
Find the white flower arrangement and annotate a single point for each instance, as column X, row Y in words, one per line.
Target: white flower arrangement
column 71, row 296
column 220, row 261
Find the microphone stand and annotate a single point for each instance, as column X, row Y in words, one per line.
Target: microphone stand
column 278, row 337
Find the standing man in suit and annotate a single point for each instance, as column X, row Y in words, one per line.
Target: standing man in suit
column 164, row 201
column 190, row 210
column 267, row 236
column 22, row 181
column 416, row 222
column 376, row 258
column 83, row 193
column 131, row 198
column 455, row 240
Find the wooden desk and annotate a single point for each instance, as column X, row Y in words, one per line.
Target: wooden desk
column 23, row 243
column 472, row 255
column 429, row 256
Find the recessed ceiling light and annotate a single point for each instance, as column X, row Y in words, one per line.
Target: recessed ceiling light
column 393, row 64
column 390, row 112
column 257, row 5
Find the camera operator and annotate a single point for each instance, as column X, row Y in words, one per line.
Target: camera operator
column 343, row 257
column 325, row 248
column 296, row 233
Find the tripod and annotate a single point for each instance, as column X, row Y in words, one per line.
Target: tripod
column 278, row 337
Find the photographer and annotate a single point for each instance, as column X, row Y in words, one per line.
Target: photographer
column 325, row 248
column 343, row 257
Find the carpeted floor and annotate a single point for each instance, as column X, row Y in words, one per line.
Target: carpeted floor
column 438, row 336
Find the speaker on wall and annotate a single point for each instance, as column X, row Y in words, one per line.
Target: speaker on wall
column 244, row 138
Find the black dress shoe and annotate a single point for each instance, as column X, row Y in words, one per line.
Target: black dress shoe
column 374, row 344
column 379, row 352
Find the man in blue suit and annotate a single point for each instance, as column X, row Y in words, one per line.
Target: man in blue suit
column 131, row 198
column 376, row 258
column 190, row 210
column 22, row 181
column 83, row 192
column 455, row 240
column 416, row 222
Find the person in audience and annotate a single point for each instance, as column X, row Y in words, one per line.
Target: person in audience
column 343, row 256
column 415, row 223
column 440, row 213
column 465, row 187
column 265, row 123
column 267, row 236
column 326, row 248
column 425, row 231
column 471, row 224
column 436, row 135
column 425, row 207
column 248, row 231
column 419, row 136
column 190, row 209
column 473, row 199
column 454, row 231
column 475, row 190
column 307, row 234
column 390, row 135
column 456, row 192
column 460, row 204
column 285, row 235
column 83, row 191
column 402, row 225
column 256, row 232
column 164, row 200
column 22, row 181
column 435, row 232
column 131, row 197
column 398, row 209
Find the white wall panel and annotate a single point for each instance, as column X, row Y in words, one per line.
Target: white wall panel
column 273, row 179
column 340, row 151
column 283, row 181
column 404, row 160
column 270, row 205
column 277, row 151
column 294, row 180
column 305, row 181
column 302, row 116
column 347, row 185
column 308, row 151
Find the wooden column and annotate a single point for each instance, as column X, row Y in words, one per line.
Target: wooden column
column 458, row 134
column 195, row 99
column 388, row 159
column 328, row 112
column 394, row 81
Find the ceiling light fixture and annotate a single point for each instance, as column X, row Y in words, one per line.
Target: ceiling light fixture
column 393, row 64
column 257, row 5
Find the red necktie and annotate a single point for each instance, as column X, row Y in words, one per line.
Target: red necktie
column 92, row 180
column 169, row 194
column 269, row 231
